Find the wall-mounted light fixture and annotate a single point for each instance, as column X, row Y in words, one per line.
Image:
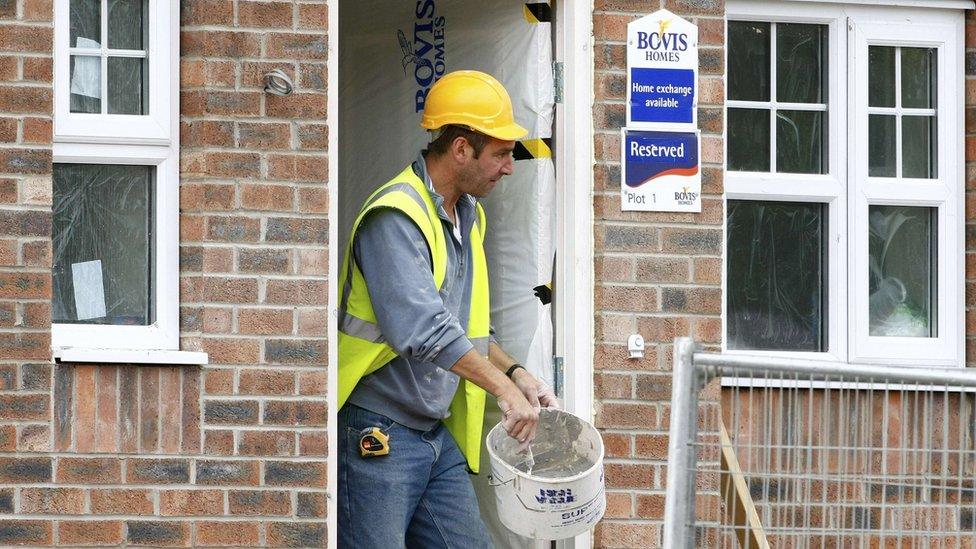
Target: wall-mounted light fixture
column 277, row 82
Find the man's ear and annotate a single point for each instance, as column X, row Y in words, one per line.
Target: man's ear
column 459, row 149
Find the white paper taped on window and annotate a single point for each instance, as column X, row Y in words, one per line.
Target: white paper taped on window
column 89, row 290
column 86, row 77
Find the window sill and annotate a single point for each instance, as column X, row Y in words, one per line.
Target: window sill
column 116, row 356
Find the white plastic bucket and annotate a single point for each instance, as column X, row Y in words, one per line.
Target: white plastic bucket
column 549, row 507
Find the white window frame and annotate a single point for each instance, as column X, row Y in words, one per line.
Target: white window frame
column 841, row 196
column 944, row 193
column 150, row 140
column 163, row 47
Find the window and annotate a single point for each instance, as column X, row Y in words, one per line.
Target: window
column 116, row 176
column 844, row 182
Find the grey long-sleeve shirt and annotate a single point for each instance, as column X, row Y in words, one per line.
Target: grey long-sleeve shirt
column 426, row 327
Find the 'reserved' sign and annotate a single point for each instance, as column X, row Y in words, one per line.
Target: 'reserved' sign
column 660, row 171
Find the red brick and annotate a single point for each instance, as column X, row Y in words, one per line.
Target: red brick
column 8, row 68
column 190, row 418
column 313, row 200
column 157, row 471
column 619, row 506
column 263, row 136
column 267, row 443
column 614, row 415
column 158, row 534
column 26, row 346
column 296, row 534
column 26, row 99
column 627, row 298
column 218, row 381
column 279, row 198
column 313, row 136
column 313, row 76
column 297, row 46
column 650, row 506
column 264, row 15
column 18, row 285
column 218, row 442
column 313, row 383
column 220, row 44
column 37, row 130
column 297, row 292
column 34, row 438
column 207, row 197
column 8, row 252
column 232, row 350
column 311, row 504
column 121, row 502
column 8, row 134
column 217, row 320
column 89, row 470
column 285, row 473
column 220, row 103
column 227, row 473
column 303, row 106
column 613, row 385
column 313, row 16
column 38, row 69
column 652, row 446
column 36, row 254
column 52, row 501
column 299, row 413
column 206, row 133
column 228, row 534
column 25, row 532
column 90, row 532
column 267, row 382
column 295, row 167
column 628, row 475
column 259, row 502
column 264, row 321
column 207, row 12
column 311, row 443
column 106, row 415
column 169, row 410
column 26, row 39
column 84, row 424
column 616, row 445
column 24, row 407
column 185, row 503
column 612, row 535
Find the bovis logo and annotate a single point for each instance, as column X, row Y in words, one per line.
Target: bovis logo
column 425, row 51
column 685, row 197
column 662, row 45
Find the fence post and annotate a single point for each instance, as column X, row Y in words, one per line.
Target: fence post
column 679, row 502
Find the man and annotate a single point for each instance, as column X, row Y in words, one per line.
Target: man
column 415, row 351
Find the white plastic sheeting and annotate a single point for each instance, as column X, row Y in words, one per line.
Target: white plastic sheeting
column 390, row 54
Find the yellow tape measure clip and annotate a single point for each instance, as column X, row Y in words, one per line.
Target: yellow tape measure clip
column 373, row 442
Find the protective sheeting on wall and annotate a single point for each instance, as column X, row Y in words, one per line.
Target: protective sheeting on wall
column 390, row 53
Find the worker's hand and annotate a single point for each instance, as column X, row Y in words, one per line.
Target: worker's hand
column 547, row 397
column 537, row 393
column 519, row 417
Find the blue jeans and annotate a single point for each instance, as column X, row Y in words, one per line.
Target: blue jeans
column 417, row 496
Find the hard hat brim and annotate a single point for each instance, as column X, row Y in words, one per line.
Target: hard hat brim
column 511, row 132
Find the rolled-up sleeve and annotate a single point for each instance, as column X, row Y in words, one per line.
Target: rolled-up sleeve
column 392, row 254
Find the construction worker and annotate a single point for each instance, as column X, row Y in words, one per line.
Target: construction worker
column 415, row 350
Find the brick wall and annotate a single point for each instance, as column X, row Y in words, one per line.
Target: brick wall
column 657, row 274
column 231, row 454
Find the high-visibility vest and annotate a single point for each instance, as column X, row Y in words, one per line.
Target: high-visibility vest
column 362, row 347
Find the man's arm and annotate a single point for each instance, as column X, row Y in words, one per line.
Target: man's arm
column 538, row 394
column 392, row 254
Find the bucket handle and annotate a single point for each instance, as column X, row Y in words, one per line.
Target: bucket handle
column 492, row 483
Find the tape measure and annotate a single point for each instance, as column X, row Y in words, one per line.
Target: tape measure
column 373, row 442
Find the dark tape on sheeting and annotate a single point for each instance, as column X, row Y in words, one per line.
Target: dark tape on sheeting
column 538, row 12
column 527, row 149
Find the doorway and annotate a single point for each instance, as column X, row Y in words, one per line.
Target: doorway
column 389, row 53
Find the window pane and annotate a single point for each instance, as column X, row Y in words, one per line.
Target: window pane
column 748, row 141
column 776, row 276
column 918, row 77
column 902, row 277
column 127, row 85
column 800, row 142
column 919, row 147
column 881, row 146
column 127, row 26
column 102, row 244
column 748, row 61
column 881, row 76
column 86, row 84
column 86, row 23
column 801, row 63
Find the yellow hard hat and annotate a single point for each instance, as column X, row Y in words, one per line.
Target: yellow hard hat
column 473, row 99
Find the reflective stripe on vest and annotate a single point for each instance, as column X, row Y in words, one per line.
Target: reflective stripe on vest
column 362, row 347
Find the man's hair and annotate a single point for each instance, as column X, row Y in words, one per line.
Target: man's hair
column 442, row 141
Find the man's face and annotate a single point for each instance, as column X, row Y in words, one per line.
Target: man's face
column 480, row 175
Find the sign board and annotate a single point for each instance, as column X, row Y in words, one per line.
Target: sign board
column 662, row 72
column 660, row 171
